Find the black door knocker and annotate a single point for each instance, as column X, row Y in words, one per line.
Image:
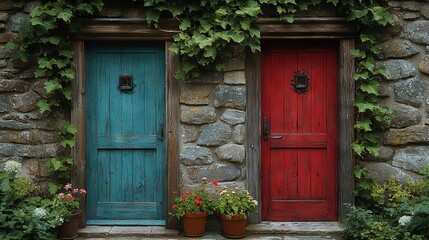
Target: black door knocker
column 126, row 83
column 300, row 82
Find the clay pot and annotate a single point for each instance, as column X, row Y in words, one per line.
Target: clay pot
column 194, row 224
column 234, row 227
column 68, row 230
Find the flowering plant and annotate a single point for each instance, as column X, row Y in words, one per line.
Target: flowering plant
column 200, row 199
column 231, row 202
column 67, row 202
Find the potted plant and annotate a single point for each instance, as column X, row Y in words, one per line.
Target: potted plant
column 193, row 206
column 233, row 207
column 66, row 205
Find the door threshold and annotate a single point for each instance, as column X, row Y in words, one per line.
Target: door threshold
column 297, row 228
column 126, row 222
column 127, row 231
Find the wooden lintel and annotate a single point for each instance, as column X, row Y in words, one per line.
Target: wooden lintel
column 138, row 29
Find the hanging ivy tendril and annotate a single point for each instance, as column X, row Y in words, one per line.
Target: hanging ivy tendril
column 208, row 29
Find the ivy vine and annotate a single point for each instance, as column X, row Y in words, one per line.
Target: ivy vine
column 208, row 29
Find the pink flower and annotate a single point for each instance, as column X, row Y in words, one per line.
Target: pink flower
column 82, row 191
column 75, row 190
column 181, row 185
column 68, row 186
column 61, row 195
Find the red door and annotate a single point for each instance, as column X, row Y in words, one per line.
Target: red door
column 299, row 139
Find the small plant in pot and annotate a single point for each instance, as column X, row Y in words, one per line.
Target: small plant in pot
column 234, row 206
column 194, row 206
column 66, row 204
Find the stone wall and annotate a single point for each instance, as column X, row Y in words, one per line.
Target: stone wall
column 26, row 135
column 212, row 130
column 405, row 55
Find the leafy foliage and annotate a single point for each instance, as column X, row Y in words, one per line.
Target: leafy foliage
column 208, row 30
column 391, row 211
column 231, row 202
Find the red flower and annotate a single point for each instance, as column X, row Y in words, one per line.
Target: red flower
column 198, row 198
column 181, row 185
column 175, row 206
column 184, row 197
column 215, row 183
column 188, row 192
column 198, row 203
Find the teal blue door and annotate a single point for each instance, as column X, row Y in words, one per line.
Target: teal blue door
column 126, row 163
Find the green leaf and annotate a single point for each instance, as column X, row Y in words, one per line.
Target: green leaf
column 67, row 92
column 9, row 46
column 53, row 187
column 40, row 73
column 152, row 17
column 210, row 52
column 52, row 85
column 371, row 87
column 363, row 125
column 238, row 37
column 185, row 24
column 66, row 142
column 358, row 149
column 65, row 15
column 56, row 164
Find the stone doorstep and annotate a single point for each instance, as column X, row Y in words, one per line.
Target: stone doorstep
column 295, row 230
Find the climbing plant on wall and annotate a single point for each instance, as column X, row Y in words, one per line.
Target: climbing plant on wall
column 208, row 29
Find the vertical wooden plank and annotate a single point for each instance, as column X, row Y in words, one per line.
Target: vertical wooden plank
column 78, row 119
column 346, row 121
column 173, row 117
column 253, row 129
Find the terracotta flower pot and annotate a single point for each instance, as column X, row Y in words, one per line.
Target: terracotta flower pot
column 68, row 230
column 235, row 227
column 194, row 224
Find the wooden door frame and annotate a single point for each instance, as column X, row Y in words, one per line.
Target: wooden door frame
column 116, row 30
column 306, row 28
column 137, row 29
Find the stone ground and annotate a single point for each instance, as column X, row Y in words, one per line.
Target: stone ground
column 263, row 231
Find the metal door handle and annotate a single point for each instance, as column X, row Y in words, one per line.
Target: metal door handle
column 266, row 129
column 161, row 132
column 276, row 137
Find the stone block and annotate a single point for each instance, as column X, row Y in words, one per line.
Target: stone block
column 385, row 154
column 14, row 125
column 410, row 15
column 417, row 31
column 413, row 158
column 384, row 89
column 236, row 61
column 404, row 115
column 234, row 78
column 4, row 16
column 24, row 117
column 7, row 37
column 218, row 172
column 411, row 5
column 39, row 88
column 195, row 94
column 6, row 5
column 239, row 134
column 424, row 65
column 410, row 92
column 195, row 155
column 425, row 11
column 413, row 134
column 197, row 115
column 18, row 22
column 3, row 63
column 6, row 149
column 38, row 151
column 206, row 78
column 230, row 96
column 5, row 105
column 382, row 172
column 29, row 137
column 231, row 152
column 214, row 134
column 188, row 133
column 233, row 117
column 25, row 102
column 398, row 48
column 398, row 69
column 2, row 27
column 7, row 85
